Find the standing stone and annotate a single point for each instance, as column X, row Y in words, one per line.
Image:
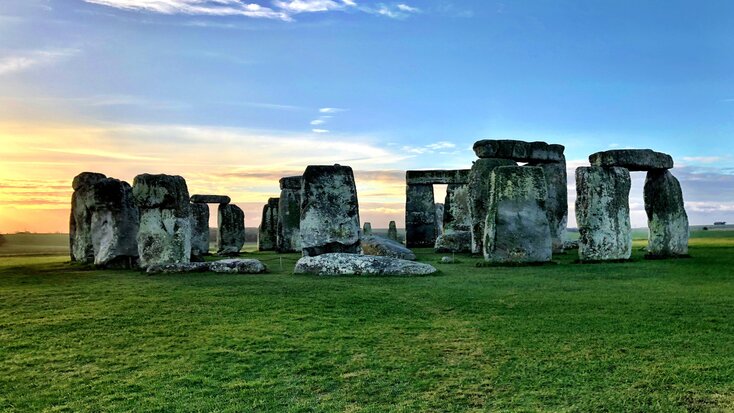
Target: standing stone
column 164, row 236
column 420, row 216
column 115, row 224
column 329, row 211
column 392, row 231
column 517, row 228
column 199, row 231
column 231, row 238
column 367, row 229
column 289, row 215
column 80, row 221
column 267, row 236
column 556, row 180
column 479, row 194
column 456, row 236
column 440, row 212
column 603, row 214
column 666, row 215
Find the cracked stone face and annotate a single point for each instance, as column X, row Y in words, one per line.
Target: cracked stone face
column 479, row 187
column 666, row 215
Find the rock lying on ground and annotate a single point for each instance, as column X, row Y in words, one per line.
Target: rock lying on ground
column 383, row 247
column 333, row 264
column 455, row 241
column 228, row 266
column 178, row 268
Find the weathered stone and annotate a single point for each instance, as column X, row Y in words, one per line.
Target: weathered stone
column 231, row 236
column 437, row 176
column 517, row 228
column 632, row 159
column 666, row 215
column 453, row 241
column 571, row 245
column 210, row 199
column 115, row 224
column 329, row 211
column 602, row 213
column 374, row 245
column 479, row 195
column 237, row 266
column 178, row 268
column 392, row 231
column 289, row 215
column 440, row 211
column 367, row 228
column 80, row 220
column 199, row 231
column 447, row 260
column 353, row 264
column 267, row 236
column 456, row 216
column 420, row 216
column 519, row 151
column 557, row 203
column 164, row 236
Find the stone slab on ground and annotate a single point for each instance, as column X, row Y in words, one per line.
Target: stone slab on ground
column 238, row 266
column 335, row 264
column 384, row 247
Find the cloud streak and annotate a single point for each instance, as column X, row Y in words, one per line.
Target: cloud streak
column 27, row 60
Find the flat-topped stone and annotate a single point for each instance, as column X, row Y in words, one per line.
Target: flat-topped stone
column 291, row 182
column 334, row 264
column 238, row 266
column 519, row 151
column 210, row 199
column 632, row 159
column 437, row 176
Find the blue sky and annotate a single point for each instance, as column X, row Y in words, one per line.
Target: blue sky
column 384, row 86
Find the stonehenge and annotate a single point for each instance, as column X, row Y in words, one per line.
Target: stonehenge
column 81, row 249
column 288, row 237
column 385, row 247
column 367, row 229
column 335, row 264
column 455, row 235
column 267, row 236
column 115, row 224
column 666, row 215
column 199, row 231
column 479, row 192
column 392, row 231
column 231, row 235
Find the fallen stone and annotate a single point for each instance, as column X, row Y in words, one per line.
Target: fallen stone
column 517, row 228
column 420, row 216
column 454, row 241
column 231, row 235
column 367, row 229
column 178, row 268
column 210, row 199
column 267, row 236
column 379, row 246
column 237, row 266
column 519, row 151
column 199, row 231
column 392, row 231
column 329, row 211
column 80, row 221
column 632, row 159
column 437, row 176
column 354, row 264
column 289, row 215
column 603, row 214
column 666, row 215
column 115, row 224
column 479, row 194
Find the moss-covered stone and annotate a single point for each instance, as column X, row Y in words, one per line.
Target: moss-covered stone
column 231, row 235
column 289, row 215
column 479, row 188
column 666, row 215
column 557, row 202
column 632, row 159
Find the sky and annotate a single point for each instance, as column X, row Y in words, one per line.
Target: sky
column 234, row 94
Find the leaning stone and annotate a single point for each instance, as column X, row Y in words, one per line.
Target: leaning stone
column 454, row 241
column 632, row 159
column 231, row 236
column 329, row 211
column 178, row 268
column 289, row 215
column 374, row 245
column 519, row 151
column 367, row 229
column 80, row 221
column 115, row 224
column 267, row 236
column 420, row 216
column 238, row 266
column 603, row 214
column 666, row 215
column 557, row 203
column 517, row 228
column 354, row 264
column 479, row 194
column 392, row 231
column 210, row 199
column 199, row 231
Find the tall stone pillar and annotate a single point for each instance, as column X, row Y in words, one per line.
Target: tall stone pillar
column 267, row 236
column 199, row 231
column 420, row 216
column 556, row 180
column 289, row 215
column 666, row 215
column 231, row 238
column 115, row 225
column 479, row 193
column 80, row 222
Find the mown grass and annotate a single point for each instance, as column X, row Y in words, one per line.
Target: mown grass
column 637, row 336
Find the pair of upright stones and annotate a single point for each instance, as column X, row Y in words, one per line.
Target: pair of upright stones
column 602, row 206
column 518, row 213
column 230, row 226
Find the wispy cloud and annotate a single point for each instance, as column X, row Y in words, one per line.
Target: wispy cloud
column 29, row 59
column 311, row 6
column 320, row 130
column 440, row 146
column 395, row 11
column 331, row 110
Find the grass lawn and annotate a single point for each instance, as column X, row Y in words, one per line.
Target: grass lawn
column 640, row 336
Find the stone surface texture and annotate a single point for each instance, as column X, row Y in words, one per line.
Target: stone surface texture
column 517, row 229
column 519, row 151
column 115, row 224
column 666, row 215
column 336, row 264
column 420, row 216
column 80, row 221
column 267, row 236
column 238, row 266
column 437, row 176
column 231, row 235
column 440, row 210
column 199, row 231
column 329, row 211
column 602, row 213
column 178, row 268
column 289, row 215
column 556, row 180
column 210, row 199
column 453, row 241
column 632, row 159
column 384, row 247
column 479, row 194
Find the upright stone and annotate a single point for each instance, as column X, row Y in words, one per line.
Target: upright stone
column 440, row 212
column 517, row 228
column 199, row 231
column 367, row 229
column 666, row 215
column 80, row 220
column 329, row 211
column 231, row 236
column 420, row 216
column 267, row 236
column 557, row 203
column 289, row 215
column 164, row 236
column 479, row 186
column 456, row 236
column 392, row 231
column 603, row 214
column 115, row 224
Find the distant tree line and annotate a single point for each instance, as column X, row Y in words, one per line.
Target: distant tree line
column 2, row 240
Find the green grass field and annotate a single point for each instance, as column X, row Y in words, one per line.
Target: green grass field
column 640, row 336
